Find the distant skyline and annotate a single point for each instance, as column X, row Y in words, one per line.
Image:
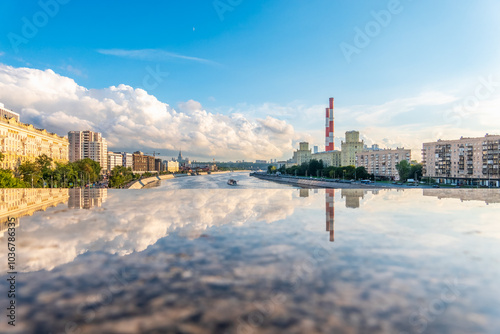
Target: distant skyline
column 246, row 80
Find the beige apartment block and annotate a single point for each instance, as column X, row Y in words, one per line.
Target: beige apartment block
column 21, row 142
column 330, row 158
column 382, row 162
column 470, row 161
column 350, row 147
column 88, row 144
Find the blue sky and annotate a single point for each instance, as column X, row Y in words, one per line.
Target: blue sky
column 269, row 58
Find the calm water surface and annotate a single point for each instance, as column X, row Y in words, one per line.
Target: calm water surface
column 198, row 256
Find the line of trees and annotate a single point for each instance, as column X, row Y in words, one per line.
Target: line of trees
column 316, row 168
column 43, row 172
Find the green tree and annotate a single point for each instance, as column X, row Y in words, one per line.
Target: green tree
column 314, row 166
column 7, row 180
column 120, row 176
column 416, row 171
column 404, row 169
column 362, row 173
column 271, row 169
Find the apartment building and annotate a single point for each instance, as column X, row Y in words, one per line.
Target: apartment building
column 142, row 163
column 88, row 144
column 382, row 162
column 21, row 142
column 350, row 147
column 469, row 161
column 114, row 159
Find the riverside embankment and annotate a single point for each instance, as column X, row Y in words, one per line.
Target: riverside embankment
column 155, row 180
column 316, row 183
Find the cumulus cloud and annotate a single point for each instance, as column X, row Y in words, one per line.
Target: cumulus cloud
column 132, row 118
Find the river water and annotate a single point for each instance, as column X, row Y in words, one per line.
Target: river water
column 196, row 255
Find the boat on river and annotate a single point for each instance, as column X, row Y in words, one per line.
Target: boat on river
column 232, row 182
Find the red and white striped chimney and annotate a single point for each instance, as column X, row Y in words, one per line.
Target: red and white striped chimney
column 329, row 130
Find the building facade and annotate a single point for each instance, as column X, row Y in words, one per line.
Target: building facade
column 303, row 154
column 382, row 162
column 172, row 166
column 127, row 160
column 330, row 158
column 469, row 161
column 8, row 114
column 350, row 147
column 142, row 163
column 114, row 159
column 88, row 144
column 21, row 142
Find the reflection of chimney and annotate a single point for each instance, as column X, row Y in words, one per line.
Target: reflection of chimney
column 330, row 211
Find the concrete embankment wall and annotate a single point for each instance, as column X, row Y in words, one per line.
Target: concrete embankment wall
column 311, row 182
column 154, row 179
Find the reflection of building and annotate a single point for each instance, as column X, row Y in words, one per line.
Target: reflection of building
column 382, row 162
column 304, row 192
column 486, row 195
column 21, row 142
column 471, row 161
column 330, row 212
column 23, row 202
column 86, row 198
column 88, row 144
column 352, row 197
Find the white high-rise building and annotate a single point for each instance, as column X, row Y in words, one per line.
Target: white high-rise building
column 127, row 159
column 114, row 159
column 88, row 144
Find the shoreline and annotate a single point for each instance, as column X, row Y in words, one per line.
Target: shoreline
column 315, row 183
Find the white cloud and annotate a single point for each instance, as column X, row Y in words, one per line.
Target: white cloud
column 130, row 117
column 151, row 54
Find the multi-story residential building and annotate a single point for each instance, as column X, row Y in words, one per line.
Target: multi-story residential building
column 114, row 159
column 382, row 162
column 470, row 161
column 127, row 160
column 142, row 163
column 303, row 154
column 330, row 158
column 21, row 142
column 7, row 113
column 88, row 144
column 158, row 165
column 350, row 147
column 172, row 166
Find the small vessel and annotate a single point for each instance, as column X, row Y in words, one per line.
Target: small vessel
column 232, row 182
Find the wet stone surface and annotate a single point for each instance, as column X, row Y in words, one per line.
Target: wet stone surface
column 194, row 256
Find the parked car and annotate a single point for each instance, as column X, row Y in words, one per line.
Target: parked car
column 436, row 186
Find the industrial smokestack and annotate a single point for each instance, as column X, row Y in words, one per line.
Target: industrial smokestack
column 329, row 128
